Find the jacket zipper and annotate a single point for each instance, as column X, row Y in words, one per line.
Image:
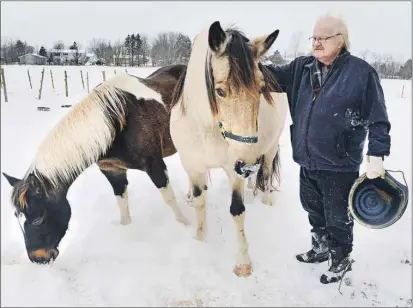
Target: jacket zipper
column 311, row 110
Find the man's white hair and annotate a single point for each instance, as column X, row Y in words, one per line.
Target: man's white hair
column 338, row 24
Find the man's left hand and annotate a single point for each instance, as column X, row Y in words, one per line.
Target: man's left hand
column 374, row 167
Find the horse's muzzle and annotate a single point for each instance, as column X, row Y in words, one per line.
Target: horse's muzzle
column 43, row 256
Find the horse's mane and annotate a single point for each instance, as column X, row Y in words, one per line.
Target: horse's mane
column 80, row 137
column 241, row 72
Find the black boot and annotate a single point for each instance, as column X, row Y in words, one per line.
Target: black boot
column 318, row 253
column 341, row 263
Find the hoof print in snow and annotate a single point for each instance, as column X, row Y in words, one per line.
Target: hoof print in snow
column 66, row 106
column 40, row 108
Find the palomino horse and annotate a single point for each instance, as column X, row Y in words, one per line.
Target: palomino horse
column 122, row 124
column 225, row 115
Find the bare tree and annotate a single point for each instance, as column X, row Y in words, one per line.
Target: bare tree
column 9, row 52
column 295, row 43
column 59, row 45
column 145, row 49
column 166, row 48
column 160, row 50
column 98, row 46
column 118, row 51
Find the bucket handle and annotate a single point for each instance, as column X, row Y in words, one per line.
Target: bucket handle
column 405, row 182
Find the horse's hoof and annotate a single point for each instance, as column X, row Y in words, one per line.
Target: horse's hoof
column 268, row 199
column 200, row 235
column 243, row 270
column 183, row 220
column 125, row 221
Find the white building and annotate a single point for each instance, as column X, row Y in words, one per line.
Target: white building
column 32, row 59
column 70, row 55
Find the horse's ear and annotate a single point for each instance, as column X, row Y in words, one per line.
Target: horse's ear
column 12, row 180
column 263, row 43
column 217, row 38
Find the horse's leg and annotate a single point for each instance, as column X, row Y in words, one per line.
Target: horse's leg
column 265, row 176
column 189, row 194
column 198, row 188
column 119, row 182
column 158, row 173
column 237, row 210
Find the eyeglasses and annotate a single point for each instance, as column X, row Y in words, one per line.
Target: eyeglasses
column 322, row 39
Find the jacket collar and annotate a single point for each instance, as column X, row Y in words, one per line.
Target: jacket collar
column 344, row 53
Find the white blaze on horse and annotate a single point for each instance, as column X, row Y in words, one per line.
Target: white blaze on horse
column 227, row 114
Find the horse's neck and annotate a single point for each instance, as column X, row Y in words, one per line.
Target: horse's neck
column 195, row 94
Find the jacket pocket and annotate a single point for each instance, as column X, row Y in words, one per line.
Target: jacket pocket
column 350, row 145
column 342, row 144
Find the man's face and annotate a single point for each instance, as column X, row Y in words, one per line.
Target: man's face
column 326, row 41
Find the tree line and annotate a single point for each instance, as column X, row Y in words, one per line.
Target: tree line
column 174, row 48
column 134, row 50
column 385, row 65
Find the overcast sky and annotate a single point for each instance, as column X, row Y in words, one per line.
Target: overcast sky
column 381, row 27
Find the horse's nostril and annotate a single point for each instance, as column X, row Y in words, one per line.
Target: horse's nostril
column 43, row 256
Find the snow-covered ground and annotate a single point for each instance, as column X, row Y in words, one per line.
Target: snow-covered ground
column 155, row 261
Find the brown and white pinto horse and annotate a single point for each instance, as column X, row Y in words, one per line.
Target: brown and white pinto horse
column 227, row 114
column 122, row 124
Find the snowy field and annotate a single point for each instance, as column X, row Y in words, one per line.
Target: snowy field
column 155, row 261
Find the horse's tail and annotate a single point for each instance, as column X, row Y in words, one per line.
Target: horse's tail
column 260, row 182
column 85, row 133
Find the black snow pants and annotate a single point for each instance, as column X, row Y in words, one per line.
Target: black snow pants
column 324, row 195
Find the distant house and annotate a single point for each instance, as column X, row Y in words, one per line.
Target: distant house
column 70, row 56
column 32, row 59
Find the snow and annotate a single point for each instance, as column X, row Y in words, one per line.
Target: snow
column 155, row 261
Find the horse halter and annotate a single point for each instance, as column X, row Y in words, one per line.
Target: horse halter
column 244, row 139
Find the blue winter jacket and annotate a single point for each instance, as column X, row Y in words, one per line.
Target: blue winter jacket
column 330, row 122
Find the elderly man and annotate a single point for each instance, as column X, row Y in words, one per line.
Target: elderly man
column 334, row 99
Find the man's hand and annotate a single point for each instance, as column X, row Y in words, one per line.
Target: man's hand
column 374, row 167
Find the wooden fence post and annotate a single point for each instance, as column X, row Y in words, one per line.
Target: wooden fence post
column 67, row 90
column 41, row 85
column 30, row 80
column 51, row 76
column 104, row 75
column 83, row 83
column 4, row 85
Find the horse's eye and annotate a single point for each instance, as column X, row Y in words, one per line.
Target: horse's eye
column 220, row 92
column 262, row 89
column 37, row 221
